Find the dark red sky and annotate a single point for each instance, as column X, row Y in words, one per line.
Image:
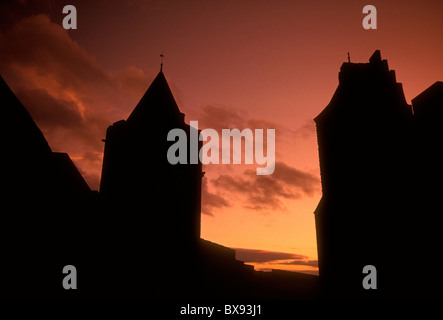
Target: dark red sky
column 243, row 63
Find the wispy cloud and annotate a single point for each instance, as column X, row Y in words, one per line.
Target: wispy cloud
column 254, row 255
column 267, row 260
column 311, row 263
column 211, row 201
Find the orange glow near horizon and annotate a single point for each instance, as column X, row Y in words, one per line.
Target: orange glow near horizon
column 230, row 64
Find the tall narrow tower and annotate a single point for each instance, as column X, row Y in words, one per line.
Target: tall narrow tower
column 364, row 139
column 159, row 200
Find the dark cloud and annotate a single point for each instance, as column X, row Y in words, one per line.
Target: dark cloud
column 275, row 259
column 232, row 184
column 306, row 130
column 264, row 256
column 55, row 115
column 263, row 192
column 211, row 201
column 267, row 192
column 222, row 117
column 218, row 118
column 50, row 111
column 94, row 157
column 226, row 117
column 39, row 44
column 13, row 10
column 305, row 181
column 133, row 80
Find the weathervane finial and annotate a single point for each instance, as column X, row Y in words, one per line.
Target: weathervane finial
column 161, row 63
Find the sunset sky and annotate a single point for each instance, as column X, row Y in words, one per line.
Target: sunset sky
column 230, row 64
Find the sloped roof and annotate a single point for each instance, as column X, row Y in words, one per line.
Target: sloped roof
column 17, row 128
column 157, row 101
column 430, row 100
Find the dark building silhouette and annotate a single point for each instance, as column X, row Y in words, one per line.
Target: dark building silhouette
column 137, row 174
column 139, row 237
column 43, row 196
column 428, row 112
column 378, row 159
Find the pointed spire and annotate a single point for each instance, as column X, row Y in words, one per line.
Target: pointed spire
column 157, row 103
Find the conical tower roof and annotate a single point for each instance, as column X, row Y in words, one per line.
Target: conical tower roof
column 157, row 103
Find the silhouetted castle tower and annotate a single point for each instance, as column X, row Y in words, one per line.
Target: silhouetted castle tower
column 137, row 177
column 155, row 207
column 371, row 209
column 363, row 137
